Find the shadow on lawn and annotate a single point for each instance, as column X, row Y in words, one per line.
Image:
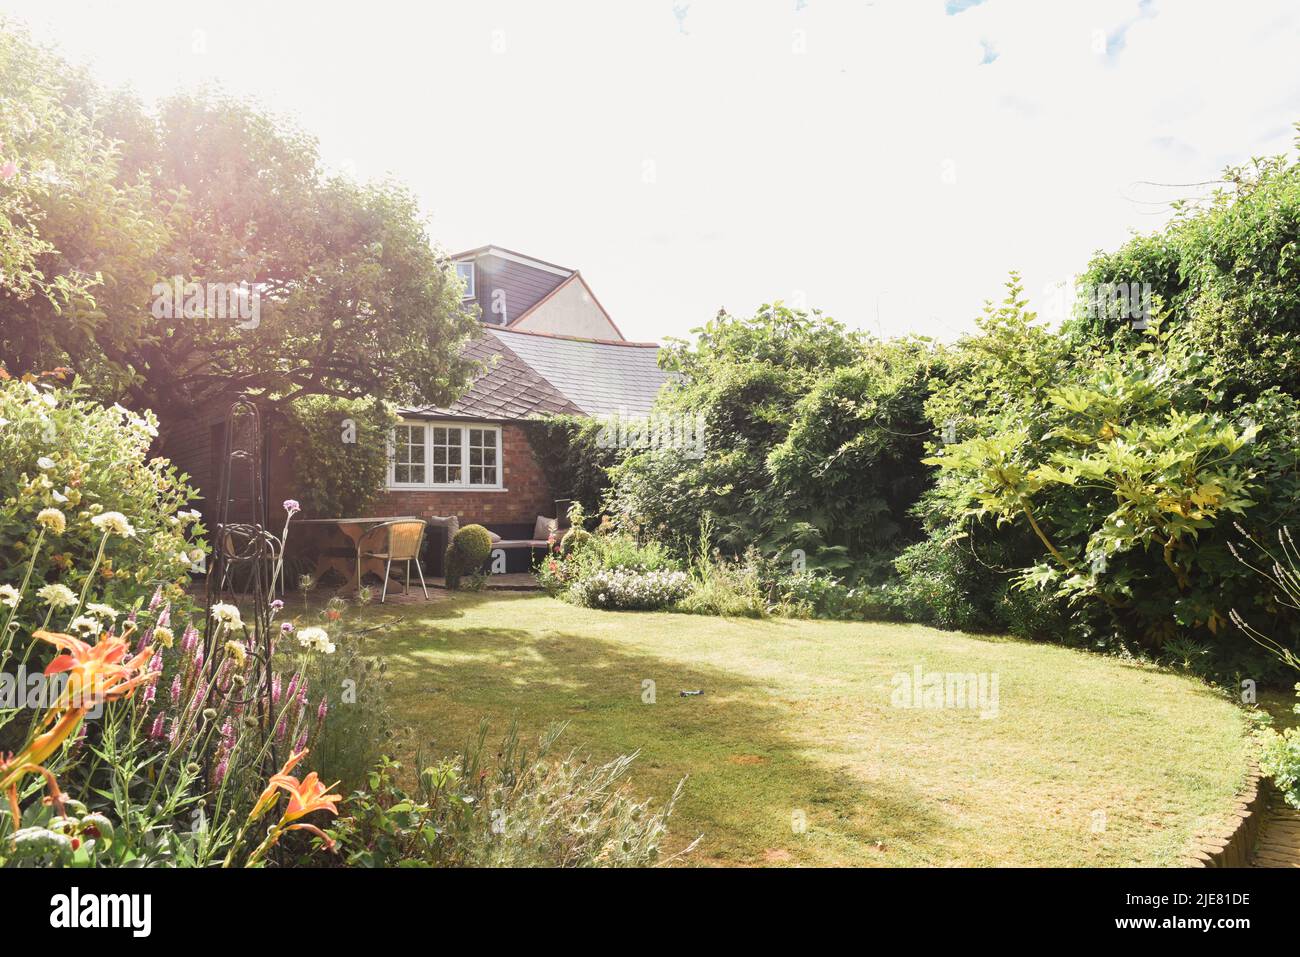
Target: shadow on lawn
column 748, row 778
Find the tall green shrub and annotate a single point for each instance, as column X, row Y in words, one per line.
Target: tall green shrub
column 61, row 451
column 339, row 450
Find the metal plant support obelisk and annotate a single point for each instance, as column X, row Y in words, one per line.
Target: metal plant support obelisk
column 242, row 552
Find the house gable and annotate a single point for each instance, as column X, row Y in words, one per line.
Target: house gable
column 571, row 309
column 514, row 291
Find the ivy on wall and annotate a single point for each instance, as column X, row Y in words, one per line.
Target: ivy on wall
column 339, row 451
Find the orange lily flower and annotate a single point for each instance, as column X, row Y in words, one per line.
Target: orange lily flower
column 99, row 672
column 305, row 796
column 308, row 796
column 277, row 780
column 96, row 673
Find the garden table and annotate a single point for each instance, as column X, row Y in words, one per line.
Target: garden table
column 350, row 529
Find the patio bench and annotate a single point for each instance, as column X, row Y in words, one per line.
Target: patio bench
column 511, row 538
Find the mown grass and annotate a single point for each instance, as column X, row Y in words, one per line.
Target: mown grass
column 1090, row 760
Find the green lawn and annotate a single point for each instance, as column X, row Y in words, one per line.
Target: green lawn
column 796, row 719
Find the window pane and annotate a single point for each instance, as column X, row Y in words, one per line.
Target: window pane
column 408, row 455
column 483, row 457
column 446, row 455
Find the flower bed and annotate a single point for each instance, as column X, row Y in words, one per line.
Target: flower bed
column 630, row 589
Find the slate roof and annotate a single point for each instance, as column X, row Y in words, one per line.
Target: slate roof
column 534, row 374
column 600, row 377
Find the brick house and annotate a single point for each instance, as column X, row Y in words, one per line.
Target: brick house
column 547, row 346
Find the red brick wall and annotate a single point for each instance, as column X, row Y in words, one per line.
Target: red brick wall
column 188, row 443
column 527, row 493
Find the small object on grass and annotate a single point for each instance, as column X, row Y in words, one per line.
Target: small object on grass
column 690, row 694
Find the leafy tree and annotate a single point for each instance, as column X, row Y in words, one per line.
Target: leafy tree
column 811, row 440
column 1229, row 268
column 58, row 182
column 1127, row 478
column 849, row 470
column 351, row 299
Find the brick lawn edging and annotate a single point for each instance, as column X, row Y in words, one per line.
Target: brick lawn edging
column 1234, row 848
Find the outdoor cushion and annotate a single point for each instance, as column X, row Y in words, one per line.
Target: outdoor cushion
column 543, row 527
column 450, row 522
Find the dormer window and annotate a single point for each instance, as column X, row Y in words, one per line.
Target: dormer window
column 466, row 273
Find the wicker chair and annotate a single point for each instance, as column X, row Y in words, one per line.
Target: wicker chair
column 394, row 542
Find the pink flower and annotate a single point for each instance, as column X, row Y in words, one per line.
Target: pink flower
column 151, row 690
column 291, row 506
column 156, row 732
column 8, row 169
column 323, row 709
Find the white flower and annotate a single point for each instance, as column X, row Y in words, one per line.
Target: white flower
column 56, row 595
column 59, row 497
column 52, row 519
column 316, row 639
column 100, row 610
column 49, row 400
column 10, row 596
column 85, row 627
column 227, row 615
column 45, row 462
column 114, row 522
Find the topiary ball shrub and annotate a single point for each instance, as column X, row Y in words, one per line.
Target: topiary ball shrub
column 574, row 540
column 467, row 552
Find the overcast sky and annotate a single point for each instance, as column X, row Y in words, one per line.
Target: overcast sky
column 886, row 162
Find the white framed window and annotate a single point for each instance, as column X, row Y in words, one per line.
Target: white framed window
column 445, row 455
column 408, row 460
column 466, row 273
